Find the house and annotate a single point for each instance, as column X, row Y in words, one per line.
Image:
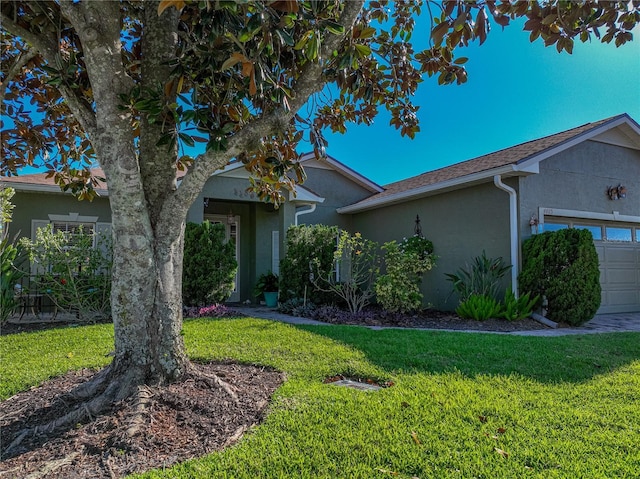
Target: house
column 490, row 202
column 587, row 177
column 257, row 229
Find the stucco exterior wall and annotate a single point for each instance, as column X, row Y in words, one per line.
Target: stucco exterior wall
column 38, row 206
column 337, row 191
column 461, row 224
column 577, row 179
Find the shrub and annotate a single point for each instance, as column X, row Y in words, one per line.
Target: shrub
column 209, row 266
column 479, row 307
column 563, row 267
column 310, row 252
column 267, row 283
column 481, row 278
column 295, row 306
column 516, row 309
column 74, row 270
column 11, row 257
column 398, row 290
column 358, row 265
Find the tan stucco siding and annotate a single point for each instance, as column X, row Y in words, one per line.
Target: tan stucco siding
column 38, row 206
column 461, row 224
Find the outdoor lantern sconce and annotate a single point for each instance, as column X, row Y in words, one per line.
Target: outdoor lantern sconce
column 231, row 218
column 534, row 223
column 417, row 229
column 617, row 192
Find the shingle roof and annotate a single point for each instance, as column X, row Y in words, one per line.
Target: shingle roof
column 40, row 179
column 508, row 156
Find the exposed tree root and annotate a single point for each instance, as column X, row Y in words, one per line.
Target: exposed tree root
column 52, row 466
column 155, row 426
column 98, row 396
column 216, row 381
column 144, row 396
column 106, row 388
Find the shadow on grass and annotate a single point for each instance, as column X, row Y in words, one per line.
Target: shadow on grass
column 550, row 360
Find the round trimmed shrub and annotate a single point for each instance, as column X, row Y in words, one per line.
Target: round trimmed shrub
column 209, row 266
column 563, row 267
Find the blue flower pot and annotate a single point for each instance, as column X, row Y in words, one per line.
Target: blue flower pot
column 271, row 298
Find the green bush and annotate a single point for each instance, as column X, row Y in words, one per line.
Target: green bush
column 359, row 265
column 563, row 267
column 267, row 283
column 398, row 290
column 309, row 252
column 479, row 307
column 481, row 278
column 210, row 264
column 516, row 309
column 74, row 269
column 11, row 256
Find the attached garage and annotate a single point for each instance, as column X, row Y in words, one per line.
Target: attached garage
column 618, row 248
column 619, row 276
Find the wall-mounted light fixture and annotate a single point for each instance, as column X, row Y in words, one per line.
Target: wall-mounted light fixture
column 417, row 229
column 534, row 223
column 617, row 192
column 231, row 218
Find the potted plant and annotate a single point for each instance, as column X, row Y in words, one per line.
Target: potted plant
column 267, row 286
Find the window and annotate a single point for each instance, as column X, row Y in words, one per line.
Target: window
column 596, row 231
column 555, row 226
column 73, row 229
column 618, row 234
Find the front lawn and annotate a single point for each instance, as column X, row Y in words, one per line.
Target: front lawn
column 461, row 404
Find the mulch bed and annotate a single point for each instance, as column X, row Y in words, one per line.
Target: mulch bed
column 435, row 319
column 185, row 420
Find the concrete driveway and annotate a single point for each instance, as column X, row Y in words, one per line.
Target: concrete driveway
column 601, row 323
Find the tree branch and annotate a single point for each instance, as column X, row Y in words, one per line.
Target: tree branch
column 47, row 47
column 23, row 58
column 309, row 82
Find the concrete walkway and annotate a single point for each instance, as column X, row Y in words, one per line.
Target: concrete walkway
column 601, row 323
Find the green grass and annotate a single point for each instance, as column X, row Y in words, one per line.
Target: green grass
column 559, row 407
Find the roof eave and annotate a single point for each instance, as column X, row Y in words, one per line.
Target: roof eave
column 435, row 188
column 579, row 138
column 33, row 188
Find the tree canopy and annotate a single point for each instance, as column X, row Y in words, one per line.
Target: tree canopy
column 234, row 65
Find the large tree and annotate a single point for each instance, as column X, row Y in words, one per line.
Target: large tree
column 131, row 84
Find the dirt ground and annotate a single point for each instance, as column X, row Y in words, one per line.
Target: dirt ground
column 185, row 420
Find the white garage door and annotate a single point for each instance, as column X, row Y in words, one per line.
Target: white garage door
column 618, row 247
column 619, row 276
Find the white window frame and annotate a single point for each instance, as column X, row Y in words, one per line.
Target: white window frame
column 615, row 219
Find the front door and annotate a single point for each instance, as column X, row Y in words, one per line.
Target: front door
column 232, row 228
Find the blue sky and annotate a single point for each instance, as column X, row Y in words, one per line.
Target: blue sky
column 516, row 91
